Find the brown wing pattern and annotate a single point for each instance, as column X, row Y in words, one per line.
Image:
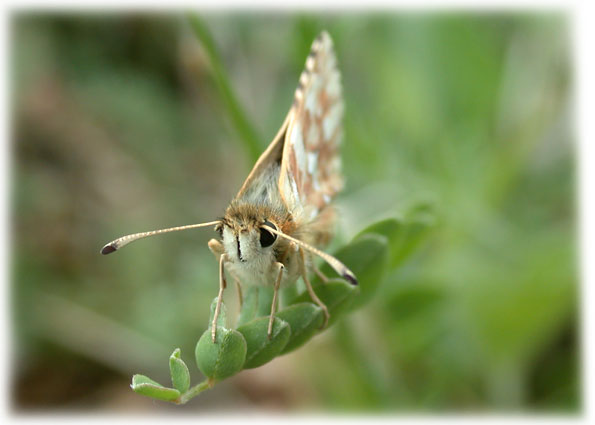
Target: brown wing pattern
column 311, row 167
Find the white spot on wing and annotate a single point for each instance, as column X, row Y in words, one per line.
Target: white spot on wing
column 294, row 190
column 315, row 183
column 312, row 104
column 297, row 142
column 335, row 163
column 332, row 120
column 333, row 86
column 313, row 136
column 312, row 162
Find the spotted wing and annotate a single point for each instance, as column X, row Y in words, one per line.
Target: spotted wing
column 310, row 174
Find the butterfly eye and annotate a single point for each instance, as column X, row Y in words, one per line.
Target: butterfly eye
column 266, row 237
column 219, row 229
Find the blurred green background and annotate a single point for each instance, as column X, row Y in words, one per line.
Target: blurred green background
column 120, row 125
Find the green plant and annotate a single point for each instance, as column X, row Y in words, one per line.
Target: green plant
column 375, row 250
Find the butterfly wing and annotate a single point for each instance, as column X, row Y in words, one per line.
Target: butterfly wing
column 266, row 162
column 310, row 173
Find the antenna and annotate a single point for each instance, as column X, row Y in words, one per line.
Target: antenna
column 125, row 240
column 339, row 267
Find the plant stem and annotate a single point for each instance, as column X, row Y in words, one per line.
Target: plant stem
column 247, row 132
column 194, row 391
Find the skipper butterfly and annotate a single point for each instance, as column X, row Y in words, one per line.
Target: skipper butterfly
column 283, row 211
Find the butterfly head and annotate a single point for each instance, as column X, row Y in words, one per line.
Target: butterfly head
column 245, row 235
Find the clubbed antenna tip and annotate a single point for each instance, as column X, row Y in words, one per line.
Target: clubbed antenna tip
column 351, row 278
column 108, row 249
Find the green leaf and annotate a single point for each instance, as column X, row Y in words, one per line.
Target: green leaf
column 422, row 209
column 304, row 319
column 224, row 357
column 411, row 236
column 387, row 227
column 403, row 235
column 367, row 257
column 144, row 385
column 249, row 306
column 336, row 294
column 261, row 349
column 180, row 376
column 392, row 229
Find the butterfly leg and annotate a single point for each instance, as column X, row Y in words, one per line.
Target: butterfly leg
column 222, row 286
column 320, row 275
column 304, row 273
column 323, row 278
column 275, row 295
column 217, row 249
column 239, row 287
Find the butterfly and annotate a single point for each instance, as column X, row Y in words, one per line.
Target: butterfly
column 282, row 213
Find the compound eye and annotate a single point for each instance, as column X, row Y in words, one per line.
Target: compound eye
column 219, row 229
column 267, row 238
